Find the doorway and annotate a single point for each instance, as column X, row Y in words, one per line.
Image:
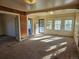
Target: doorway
column 9, row 26
column 30, row 26
column 40, row 26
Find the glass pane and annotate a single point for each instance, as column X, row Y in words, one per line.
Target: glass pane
column 57, row 24
column 41, row 24
column 68, row 25
column 49, row 24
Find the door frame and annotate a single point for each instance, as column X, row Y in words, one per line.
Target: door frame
column 18, row 15
column 31, row 26
column 39, row 25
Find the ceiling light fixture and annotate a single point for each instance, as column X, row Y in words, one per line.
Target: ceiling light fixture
column 30, row 1
column 51, row 12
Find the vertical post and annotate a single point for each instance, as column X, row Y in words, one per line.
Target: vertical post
column 23, row 26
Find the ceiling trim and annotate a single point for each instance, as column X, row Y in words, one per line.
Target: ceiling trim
column 2, row 8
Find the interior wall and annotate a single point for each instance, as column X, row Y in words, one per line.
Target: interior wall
column 76, row 32
column 7, row 25
column 10, row 25
column 1, row 25
column 53, row 17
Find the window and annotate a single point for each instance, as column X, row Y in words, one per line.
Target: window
column 41, row 25
column 49, row 24
column 57, row 24
column 68, row 25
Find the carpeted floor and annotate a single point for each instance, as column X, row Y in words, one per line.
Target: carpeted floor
column 39, row 47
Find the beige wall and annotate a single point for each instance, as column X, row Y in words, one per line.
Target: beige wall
column 52, row 17
column 76, row 32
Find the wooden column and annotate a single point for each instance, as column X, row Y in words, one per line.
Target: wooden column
column 23, row 26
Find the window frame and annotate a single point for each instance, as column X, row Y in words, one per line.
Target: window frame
column 71, row 25
column 58, row 19
column 48, row 22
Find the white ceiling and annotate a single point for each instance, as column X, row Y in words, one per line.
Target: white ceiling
column 40, row 4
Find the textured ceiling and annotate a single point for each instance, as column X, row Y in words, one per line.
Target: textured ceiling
column 39, row 5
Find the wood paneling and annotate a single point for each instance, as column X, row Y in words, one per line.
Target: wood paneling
column 23, row 24
column 11, row 10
